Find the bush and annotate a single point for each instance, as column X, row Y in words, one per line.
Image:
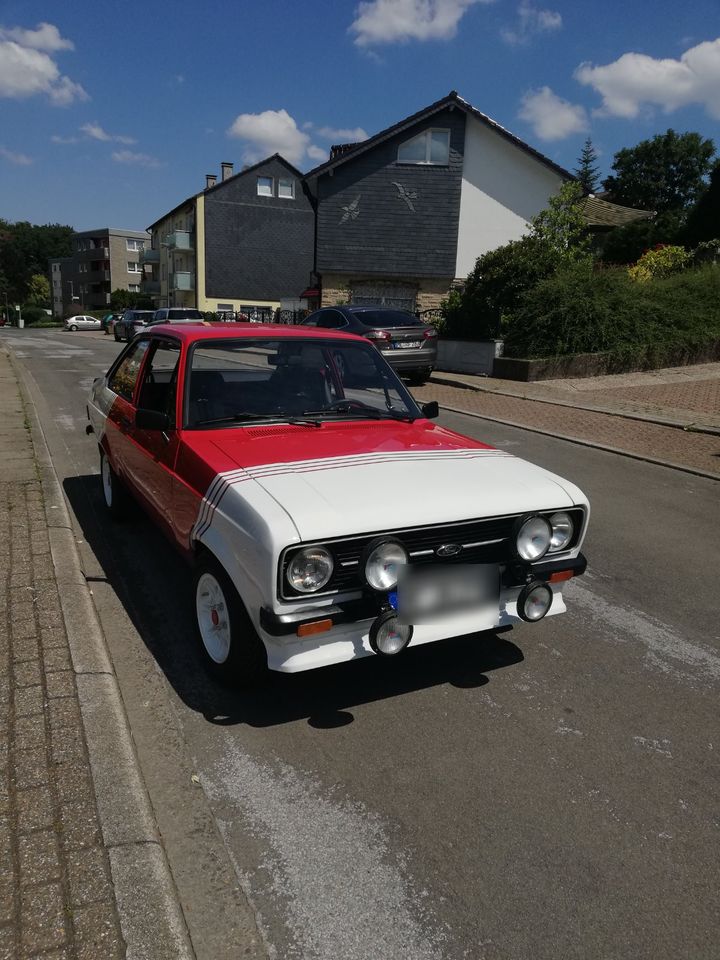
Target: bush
column 660, row 262
column 707, row 252
column 585, row 310
column 33, row 315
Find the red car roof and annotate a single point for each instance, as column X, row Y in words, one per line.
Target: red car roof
column 190, row 332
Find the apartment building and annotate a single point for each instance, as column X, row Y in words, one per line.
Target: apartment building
column 102, row 261
column 242, row 244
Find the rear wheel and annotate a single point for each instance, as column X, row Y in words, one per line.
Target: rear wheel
column 232, row 651
column 418, row 377
column 115, row 334
column 73, row 327
column 114, row 493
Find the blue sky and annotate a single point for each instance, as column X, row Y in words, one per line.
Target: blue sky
column 111, row 113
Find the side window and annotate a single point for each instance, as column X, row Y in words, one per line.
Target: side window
column 313, row 320
column 125, row 376
column 159, row 383
column 332, row 319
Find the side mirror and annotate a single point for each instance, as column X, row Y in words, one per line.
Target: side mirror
column 151, row 420
column 430, row 410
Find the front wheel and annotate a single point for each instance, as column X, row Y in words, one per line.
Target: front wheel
column 114, row 493
column 232, row 651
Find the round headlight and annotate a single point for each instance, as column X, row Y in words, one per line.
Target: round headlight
column 562, row 531
column 310, row 569
column 383, row 564
column 533, row 539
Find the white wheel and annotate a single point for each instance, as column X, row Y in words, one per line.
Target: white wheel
column 213, row 618
column 73, row 327
column 114, row 492
column 107, row 482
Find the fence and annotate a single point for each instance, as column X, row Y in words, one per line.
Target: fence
column 258, row 315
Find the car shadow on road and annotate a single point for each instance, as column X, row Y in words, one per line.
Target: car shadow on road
column 154, row 585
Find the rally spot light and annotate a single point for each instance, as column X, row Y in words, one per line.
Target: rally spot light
column 534, row 601
column 388, row 636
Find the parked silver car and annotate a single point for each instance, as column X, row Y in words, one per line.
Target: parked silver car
column 82, row 322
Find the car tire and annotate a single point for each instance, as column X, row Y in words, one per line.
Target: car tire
column 419, row 377
column 114, row 492
column 232, row 651
column 115, row 334
column 73, row 327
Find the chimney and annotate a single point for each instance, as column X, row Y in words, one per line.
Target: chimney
column 210, row 180
column 227, row 170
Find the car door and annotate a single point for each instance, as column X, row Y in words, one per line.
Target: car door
column 153, row 453
column 122, row 383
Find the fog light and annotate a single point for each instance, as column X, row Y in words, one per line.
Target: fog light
column 534, row 601
column 388, row 636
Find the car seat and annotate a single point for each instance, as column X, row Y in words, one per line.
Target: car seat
column 207, row 399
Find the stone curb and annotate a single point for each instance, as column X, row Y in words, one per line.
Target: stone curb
column 151, row 918
column 688, row 427
column 585, row 443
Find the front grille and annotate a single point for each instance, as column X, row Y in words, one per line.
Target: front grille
column 483, row 541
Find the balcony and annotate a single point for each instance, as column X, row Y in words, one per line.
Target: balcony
column 180, row 240
column 150, row 256
column 150, row 287
column 182, row 280
column 97, row 276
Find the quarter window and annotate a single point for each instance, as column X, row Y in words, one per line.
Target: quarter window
column 286, row 188
column 125, row 376
column 264, row 186
column 429, row 147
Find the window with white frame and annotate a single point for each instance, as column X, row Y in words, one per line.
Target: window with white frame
column 134, row 245
column 82, row 268
column 265, row 186
column 134, row 287
column 428, row 147
column 133, row 266
column 286, row 188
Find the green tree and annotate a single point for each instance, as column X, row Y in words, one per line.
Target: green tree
column 667, row 173
column 703, row 222
column 39, row 290
column 587, row 170
column 124, row 299
column 25, row 249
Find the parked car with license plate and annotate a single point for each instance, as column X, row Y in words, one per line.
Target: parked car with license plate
column 327, row 517
column 408, row 344
column 82, row 322
column 177, row 315
column 130, row 322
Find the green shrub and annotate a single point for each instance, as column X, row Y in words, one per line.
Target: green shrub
column 585, row 310
column 661, row 262
column 32, row 315
column 706, row 252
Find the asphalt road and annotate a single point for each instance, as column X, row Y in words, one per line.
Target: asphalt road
column 549, row 793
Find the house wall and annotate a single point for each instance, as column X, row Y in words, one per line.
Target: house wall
column 257, row 249
column 381, row 235
column 429, row 291
column 503, row 187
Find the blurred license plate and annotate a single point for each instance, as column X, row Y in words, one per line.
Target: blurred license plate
column 407, row 344
column 429, row 592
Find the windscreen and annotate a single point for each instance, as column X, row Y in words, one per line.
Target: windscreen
column 245, row 381
column 387, row 318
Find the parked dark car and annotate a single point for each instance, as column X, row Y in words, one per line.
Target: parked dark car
column 408, row 344
column 131, row 322
column 177, row 315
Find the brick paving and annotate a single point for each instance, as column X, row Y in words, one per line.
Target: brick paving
column 56, row 892
column 696, row 451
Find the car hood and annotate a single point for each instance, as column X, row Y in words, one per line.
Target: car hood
column 407, row 475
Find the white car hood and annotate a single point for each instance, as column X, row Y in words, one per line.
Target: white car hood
column 375, row 492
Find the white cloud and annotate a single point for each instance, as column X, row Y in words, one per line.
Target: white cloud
column 95, row 132
column 317, row 153
column 531, row 21
column 45, row 36
column 551, row 117
column 20, row 159
column 26, row 70
column 273, row 131
column 137, row 159
column 56, row 138
column 342, row 134
column 635, row 80
column 393, row 21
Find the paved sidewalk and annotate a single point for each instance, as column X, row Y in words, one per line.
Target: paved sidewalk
column 83, row 874
column 686, row 397
column 697, row 452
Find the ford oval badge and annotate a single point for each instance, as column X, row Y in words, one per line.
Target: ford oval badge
column 448, row 550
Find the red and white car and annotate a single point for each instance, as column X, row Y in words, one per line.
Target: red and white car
column 326, row 516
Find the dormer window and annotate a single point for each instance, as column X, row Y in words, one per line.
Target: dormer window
column 429, row 147
column 265, row 186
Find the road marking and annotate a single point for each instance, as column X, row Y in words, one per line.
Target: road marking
column 333, row 875
column 666, row 649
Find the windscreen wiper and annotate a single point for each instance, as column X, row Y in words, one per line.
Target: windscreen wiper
column 245, row 417
column 347, row 408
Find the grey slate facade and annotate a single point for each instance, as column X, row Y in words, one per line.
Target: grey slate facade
column 380, row 217
column 258, row 247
